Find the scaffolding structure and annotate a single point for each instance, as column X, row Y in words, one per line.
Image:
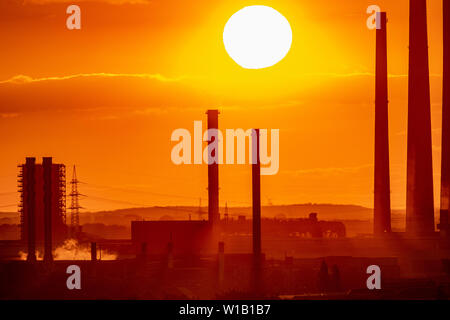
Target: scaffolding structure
column 58, row 200
column 62, row 188
column 20, row 185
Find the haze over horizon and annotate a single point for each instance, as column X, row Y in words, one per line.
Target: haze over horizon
column 62, row 96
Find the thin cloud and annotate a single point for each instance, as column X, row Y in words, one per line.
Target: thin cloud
column 8, row 115
column 24, row 79
column 97, row 91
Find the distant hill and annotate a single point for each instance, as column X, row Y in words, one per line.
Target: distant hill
column 124, row 216
column 9, row 218
column 116, row 223
column 325, row 212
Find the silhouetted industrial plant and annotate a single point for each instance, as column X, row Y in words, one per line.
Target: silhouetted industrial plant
column 225, row 257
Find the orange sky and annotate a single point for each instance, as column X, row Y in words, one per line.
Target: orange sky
column 108, row 96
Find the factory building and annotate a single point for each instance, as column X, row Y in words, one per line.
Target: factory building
column 183, row 237
column 33, row 185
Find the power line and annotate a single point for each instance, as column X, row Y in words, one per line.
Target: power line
column 9, row 205
column 144, row 205
column 141, row 205
column 142, row 191
column 145, row 174
column 7, row 193
column 158, row 194
column 118, row 201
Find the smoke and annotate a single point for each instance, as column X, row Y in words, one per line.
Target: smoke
column 72, row 250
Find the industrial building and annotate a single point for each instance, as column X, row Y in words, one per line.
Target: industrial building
column 186, row 237
column 33, row 186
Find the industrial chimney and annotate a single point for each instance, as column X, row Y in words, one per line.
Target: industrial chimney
column 213, row 171
column 256, row 198
column 382, row 200
column 419, row 197
column 445, row 163
column 30, row 167
column 47, row 170
column 256, row 195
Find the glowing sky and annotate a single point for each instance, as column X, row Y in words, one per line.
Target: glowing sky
column 108, row 96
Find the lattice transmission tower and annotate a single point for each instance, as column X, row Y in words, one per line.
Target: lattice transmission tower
column 75, row 205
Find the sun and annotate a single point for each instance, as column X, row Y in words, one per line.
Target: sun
column 257, row 37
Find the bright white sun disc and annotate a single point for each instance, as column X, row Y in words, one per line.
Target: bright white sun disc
column 257, row 37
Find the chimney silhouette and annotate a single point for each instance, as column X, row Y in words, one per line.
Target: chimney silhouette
column 445, row 163
column 256, row 195
column 256, row 198
column 213, row 171
column 419, row 197
column 30, row 202
column 382, row 197
column 47, row 170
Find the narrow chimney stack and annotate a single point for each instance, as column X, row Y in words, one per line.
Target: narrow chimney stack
column 419, row 197
column 256, row 195
column 213, row 171
column 256, row 198
column 445, row 163
column 382, row 197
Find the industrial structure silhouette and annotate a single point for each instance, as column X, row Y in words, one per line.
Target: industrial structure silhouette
column 199, row 259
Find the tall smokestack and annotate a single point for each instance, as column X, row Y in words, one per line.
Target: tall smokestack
column 382, row 199
column 256, row 195
column 419, row 197
column 445, row 163
column 213, row 170
column 30, row 169
column 47, row 168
